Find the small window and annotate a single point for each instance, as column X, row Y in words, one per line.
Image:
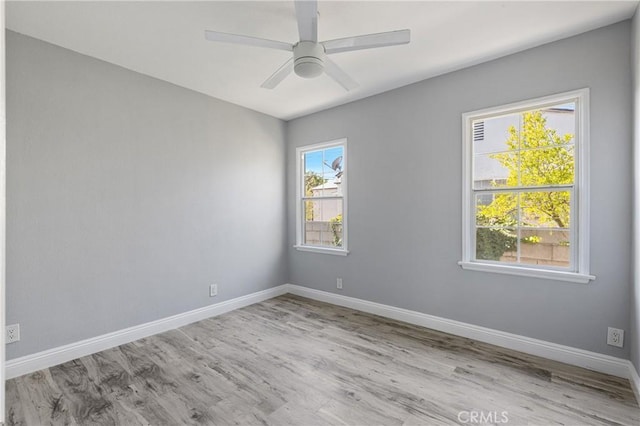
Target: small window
column 321, row 198
column 526, row 188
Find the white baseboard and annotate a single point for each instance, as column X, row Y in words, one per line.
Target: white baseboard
column 45, row 359
column 574, row 356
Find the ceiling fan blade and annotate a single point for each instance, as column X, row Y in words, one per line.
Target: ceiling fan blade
column 367, row 41
column 307, row 15
column 279, row 75
column 246, row 40
column 336, row 73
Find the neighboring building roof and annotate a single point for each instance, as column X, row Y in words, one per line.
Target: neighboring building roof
column 327, row 185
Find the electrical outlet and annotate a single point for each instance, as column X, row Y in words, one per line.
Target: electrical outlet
column 13, row 333
column 213, row 290
column 339, row 283
column 615, row 337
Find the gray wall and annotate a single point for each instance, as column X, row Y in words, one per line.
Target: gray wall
column 634, row 336
column 405, row 184
column 128, row 196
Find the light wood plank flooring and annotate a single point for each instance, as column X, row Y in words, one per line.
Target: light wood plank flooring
column 294, row 361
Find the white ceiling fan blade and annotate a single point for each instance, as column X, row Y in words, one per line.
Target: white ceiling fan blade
column 307, row 15
column 336, row 73
column 246, row 40
column 367, row 41
column 279, row 75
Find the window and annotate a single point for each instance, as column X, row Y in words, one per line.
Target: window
column 321, row 190
column 525, row 194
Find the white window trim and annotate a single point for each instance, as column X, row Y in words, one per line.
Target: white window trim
column 580, row 272
column 343, row 251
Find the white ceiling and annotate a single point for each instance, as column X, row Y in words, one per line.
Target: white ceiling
column 166, row 40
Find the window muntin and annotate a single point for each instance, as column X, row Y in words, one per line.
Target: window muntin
column 321, row 208
column 525, row 185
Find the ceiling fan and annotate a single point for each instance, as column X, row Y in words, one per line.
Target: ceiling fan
column 310, row 56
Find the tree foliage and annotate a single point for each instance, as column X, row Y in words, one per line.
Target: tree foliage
column 536, row 156
column 336, row 229
column 491, row 244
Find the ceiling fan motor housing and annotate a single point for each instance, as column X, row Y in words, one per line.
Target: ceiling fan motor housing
column 308, row 59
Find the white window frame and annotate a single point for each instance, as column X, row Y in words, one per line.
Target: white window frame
column 579, row 269
column 300, row 151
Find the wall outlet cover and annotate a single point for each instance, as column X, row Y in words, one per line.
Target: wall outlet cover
column 615, row 337
column 12, row 333
column 213, row 290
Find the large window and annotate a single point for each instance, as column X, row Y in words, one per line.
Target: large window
column 321, row 198
column 526, row 188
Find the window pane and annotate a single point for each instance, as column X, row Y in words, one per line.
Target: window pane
column 313, row 162
column 330, row 188
column 495, row 134
column 497, row 209
column 333, row 159
column 546, row 209
column 323, row 223
column 323, row 171
column 493, row 170
column 550, row 126
column 548, row 247
column 313, row 174
column 333, row 170
column 313, row 185
column 532, row 148
column 548, row 166
column 497, row 244
column 336, row 233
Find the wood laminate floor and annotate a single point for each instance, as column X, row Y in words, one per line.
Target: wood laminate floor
column 294, row 361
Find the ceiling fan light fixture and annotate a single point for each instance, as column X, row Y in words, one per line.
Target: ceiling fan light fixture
column 308, row 59
column 309, row 67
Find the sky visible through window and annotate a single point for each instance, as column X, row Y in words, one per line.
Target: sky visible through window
column 319, row 162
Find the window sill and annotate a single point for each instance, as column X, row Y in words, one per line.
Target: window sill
column 322, row 250
column 528, row 272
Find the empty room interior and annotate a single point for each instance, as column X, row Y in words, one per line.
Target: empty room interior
column 320, row 213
